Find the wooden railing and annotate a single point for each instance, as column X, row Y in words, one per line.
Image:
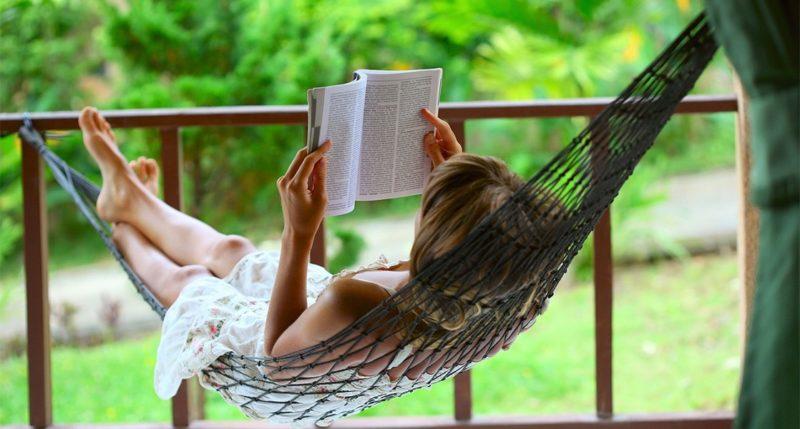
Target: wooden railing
column 187, row 409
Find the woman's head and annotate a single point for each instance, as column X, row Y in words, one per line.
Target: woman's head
column 459, row 194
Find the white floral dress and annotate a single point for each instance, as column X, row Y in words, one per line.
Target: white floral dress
column 215, row 316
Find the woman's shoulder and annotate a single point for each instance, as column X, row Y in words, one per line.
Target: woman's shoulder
column 352, row 296
column 343, row 302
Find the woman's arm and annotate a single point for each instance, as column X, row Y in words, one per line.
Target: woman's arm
column 303, row 200
column 291, row 326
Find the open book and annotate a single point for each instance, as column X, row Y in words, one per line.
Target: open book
column 376, row 130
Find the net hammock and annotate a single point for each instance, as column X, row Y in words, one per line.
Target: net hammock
column 510, row 264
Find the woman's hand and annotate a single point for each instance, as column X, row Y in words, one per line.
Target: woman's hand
column 303, row 195
column 442, row 144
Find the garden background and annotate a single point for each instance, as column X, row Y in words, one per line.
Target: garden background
column 676, row 318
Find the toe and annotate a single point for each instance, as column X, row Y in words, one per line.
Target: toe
column 152, row 167
column 98, row 120
column 137, row 168
column 110, row 131
column 86, row 120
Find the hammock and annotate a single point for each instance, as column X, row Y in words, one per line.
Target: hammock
column 513, row 260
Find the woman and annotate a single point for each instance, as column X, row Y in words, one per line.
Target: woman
column 224, row 295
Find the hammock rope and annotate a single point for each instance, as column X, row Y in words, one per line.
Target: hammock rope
column 511, row 261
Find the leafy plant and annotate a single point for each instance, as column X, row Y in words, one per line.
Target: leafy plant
column 63, row 54
column 349, row 247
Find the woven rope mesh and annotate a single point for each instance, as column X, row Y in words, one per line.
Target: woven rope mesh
column 510, row 264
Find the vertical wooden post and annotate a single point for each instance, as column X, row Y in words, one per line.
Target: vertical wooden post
column 747, row 231
column 187, row 405
column 603, row 286
column 603, row 305
column 318, row 247
column 172, row 166
column 460, row 131
column 36, row 293
column 462, row 383
column 463, row 396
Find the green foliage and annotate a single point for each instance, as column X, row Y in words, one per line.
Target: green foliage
column 10, row 197
column 46, row 48
column 44, row 53
column 350, row 246
column 63, row 54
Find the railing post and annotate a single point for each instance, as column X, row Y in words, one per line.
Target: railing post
column 187, row 405
column 603, row 305
column 36, row 293
column 603, row 266
column 318, row 256
column 463, row 396
column 462, row 383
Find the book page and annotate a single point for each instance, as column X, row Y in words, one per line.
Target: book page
column 336, row 115
column 393, row 162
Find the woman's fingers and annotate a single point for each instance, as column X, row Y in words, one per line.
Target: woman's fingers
column 298, row 159
column 320, row 173
column 443, row 147
column 307, row 165
column 442, row 127
column 432, row 149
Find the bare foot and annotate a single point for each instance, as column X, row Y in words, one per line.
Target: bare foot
column 146, row 169
column 119, row 180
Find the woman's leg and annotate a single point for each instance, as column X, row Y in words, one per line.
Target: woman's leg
column 184, row 239
column 162, row 276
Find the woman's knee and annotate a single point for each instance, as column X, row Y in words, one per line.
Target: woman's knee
column 185, row 274
column 230, row 249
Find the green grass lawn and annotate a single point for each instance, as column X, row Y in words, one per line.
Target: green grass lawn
column 676, row 347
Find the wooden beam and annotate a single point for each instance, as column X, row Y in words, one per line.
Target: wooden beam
column 603, row 305
column 462, row 396
column 318, row 255
column 296, row 114
column 172, row 166
column 187, row 404
column 40, row 411
column 747, row 231
column 696, row 420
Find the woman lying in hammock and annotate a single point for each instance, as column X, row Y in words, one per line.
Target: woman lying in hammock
column 224, row 295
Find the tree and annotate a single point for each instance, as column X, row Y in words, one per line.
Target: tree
column 46, row 53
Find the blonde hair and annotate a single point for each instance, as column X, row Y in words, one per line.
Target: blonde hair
column 458, row 195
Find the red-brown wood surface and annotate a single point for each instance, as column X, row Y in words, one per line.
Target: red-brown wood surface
column 172, row 166
column 36, row 292
column 318, row 247
column 187, row 403
column 603, row 305
column 709, row 420
column 296, row 115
